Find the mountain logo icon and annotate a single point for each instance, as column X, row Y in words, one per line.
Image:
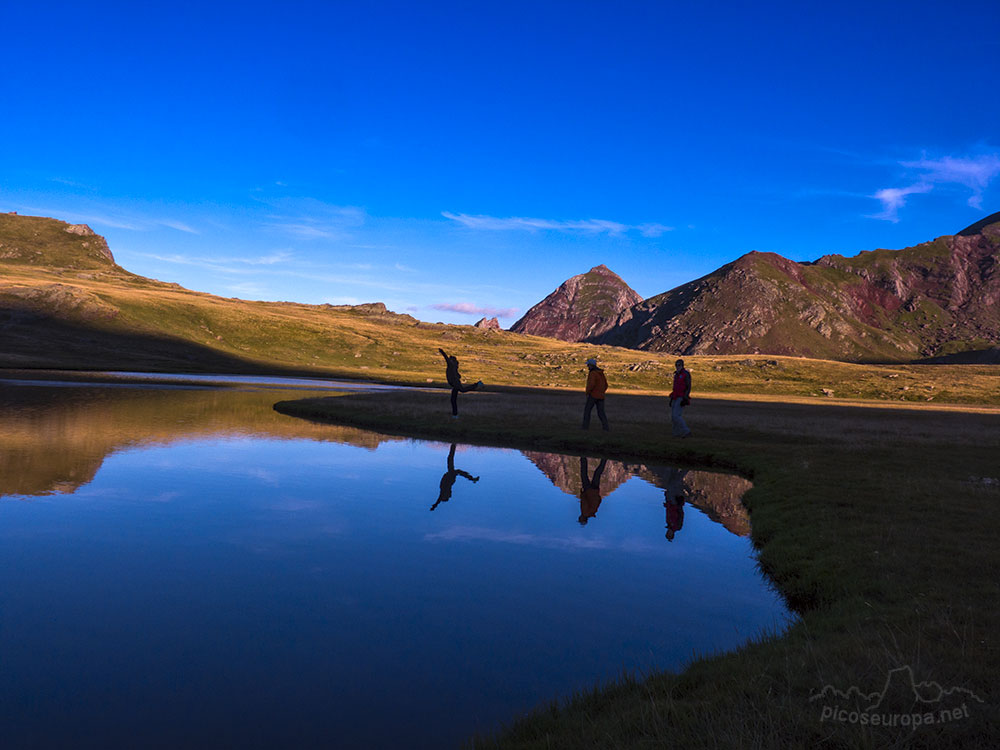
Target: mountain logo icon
column 902, row 701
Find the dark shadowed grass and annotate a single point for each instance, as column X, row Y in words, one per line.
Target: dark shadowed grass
column 876, row 524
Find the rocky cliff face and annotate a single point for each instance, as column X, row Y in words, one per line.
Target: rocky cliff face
column 931, row 299
column 582, row 308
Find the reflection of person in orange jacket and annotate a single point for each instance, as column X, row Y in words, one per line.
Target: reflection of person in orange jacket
column 597, row 386
column 590, row 495
column 449, row 477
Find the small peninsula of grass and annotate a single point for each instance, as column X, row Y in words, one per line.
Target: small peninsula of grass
column 877, row 524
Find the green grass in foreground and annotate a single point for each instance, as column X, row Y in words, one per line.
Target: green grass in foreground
column 878, row 525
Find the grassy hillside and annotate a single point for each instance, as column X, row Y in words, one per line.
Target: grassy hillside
column 55, row 314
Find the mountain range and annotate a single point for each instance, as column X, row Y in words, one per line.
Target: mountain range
column 65, row 302
column 934, row 299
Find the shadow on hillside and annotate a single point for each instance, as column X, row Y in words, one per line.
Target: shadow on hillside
column 972, row 357
column 32, row 341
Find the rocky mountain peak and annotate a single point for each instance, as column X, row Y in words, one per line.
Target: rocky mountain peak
column 582, row 308
column 932, row 299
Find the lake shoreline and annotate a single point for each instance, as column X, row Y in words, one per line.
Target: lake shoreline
column 839, row 510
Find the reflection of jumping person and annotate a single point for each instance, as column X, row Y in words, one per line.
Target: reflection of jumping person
column 597, row 386
column 455, row 381
column 449, row 477
column 680, row 397
column 590, row 496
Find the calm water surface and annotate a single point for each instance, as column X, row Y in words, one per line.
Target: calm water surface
column 186, row 567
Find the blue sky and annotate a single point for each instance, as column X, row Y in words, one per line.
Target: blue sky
column 455, row 160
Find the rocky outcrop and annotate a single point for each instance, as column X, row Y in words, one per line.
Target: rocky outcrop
column 581, row 309
column 935, row 298
column 490, row 324
column 50, row 243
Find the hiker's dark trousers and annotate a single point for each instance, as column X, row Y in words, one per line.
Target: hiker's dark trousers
column 455, row 390
column 591, row 403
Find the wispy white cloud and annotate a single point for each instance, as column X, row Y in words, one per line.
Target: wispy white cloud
column 221, row 263
column 974, row 173
column 469, row 309
column 312, row 219
column 178, row 225
column 461, row 533
column 105, row 217
column 894, row 199
column 581, row 226
column 478, row 533
column 653, row 230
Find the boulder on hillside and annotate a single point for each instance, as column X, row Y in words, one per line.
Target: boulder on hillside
column 490, row 324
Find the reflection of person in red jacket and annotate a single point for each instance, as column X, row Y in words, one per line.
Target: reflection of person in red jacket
column 675, row 514
column 597, row 386
column 590, row 495
column 680, row 397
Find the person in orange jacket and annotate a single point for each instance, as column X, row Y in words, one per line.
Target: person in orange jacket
column 597, row 386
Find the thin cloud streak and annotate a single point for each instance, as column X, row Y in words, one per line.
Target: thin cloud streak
column 582, row 226
column 974, row 173
column 894, row 199
column 469, row 309
column 546, row 541
column 258, row 266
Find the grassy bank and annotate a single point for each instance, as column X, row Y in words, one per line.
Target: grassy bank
column 877, row 524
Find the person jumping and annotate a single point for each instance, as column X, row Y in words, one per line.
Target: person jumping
column 455, row 381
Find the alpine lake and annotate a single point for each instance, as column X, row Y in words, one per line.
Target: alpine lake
column 185, row 567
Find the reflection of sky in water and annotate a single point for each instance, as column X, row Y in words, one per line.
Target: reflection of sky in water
column 293, row 592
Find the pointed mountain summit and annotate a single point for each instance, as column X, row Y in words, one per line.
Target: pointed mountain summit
column 582, row 308
column 933, row 299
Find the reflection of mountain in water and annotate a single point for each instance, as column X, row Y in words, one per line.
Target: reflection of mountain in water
column 719, row 496
column 53, row 440
column 564, row 472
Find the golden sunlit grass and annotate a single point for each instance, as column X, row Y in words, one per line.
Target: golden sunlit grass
column 126, row 322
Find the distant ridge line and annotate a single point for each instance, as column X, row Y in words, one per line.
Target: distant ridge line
column 980, row 225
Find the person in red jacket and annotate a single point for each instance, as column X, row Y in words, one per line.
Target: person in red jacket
column 597, row 386
column 680, row 397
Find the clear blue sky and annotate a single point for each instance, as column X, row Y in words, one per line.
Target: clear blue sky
column 460, row 159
